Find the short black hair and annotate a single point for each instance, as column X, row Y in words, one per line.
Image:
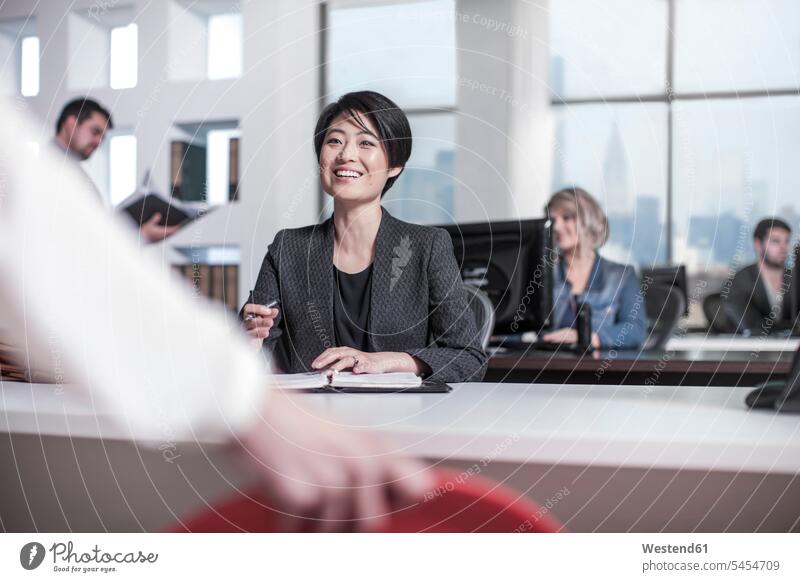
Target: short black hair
column 763, row 226
column 392, row 125
column 82, row 109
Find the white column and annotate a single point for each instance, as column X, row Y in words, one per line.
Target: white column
column 529, row 118
column 503, row 163
column 278, row 170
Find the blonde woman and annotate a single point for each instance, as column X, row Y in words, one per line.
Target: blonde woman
column 580, row 228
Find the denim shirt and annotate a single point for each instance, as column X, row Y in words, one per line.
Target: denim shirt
column 614, row 292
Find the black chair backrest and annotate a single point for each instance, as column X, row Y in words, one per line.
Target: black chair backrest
column 715, row 314
column 483, row 309
column 664, row 307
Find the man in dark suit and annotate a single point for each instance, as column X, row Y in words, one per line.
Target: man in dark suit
column 757, row 302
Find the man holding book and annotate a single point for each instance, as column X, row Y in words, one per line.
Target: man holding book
column 80, row 130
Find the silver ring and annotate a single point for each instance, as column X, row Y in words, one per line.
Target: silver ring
column 355, row 361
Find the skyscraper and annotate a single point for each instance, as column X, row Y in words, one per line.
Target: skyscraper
column 617, row 190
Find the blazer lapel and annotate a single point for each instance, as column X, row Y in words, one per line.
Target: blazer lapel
column 379, row 307
column 381, row 280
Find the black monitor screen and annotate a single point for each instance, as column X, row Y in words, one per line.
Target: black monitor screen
column 512, row 263
column 794, row 292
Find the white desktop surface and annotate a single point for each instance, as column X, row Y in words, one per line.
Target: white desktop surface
column 730, row 343
column 705, row 428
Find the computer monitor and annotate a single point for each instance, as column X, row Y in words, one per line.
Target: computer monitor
column 794, row 292
column 670, row 277
column 512, row 262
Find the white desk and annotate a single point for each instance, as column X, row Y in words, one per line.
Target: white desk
column 611, row 445
column 730, row 343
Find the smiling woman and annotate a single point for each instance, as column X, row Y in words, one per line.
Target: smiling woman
column 388, row 293
column 381, row 142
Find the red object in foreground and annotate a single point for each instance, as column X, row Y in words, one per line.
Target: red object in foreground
column 459, row 503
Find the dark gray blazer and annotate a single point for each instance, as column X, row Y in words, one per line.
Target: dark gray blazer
column 418, row 305
column 747, row 307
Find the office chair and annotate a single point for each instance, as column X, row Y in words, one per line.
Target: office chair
column 458, row 503
column 483, row 309
column 664, row 306
column 715, row 314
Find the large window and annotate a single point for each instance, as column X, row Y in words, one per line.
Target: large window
column 683, row 118
column 618, row 152
column 407, row 51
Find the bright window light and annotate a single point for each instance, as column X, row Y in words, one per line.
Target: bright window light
column 29, row 66
column 121, row 167
column 124, row 62
column 224, row 46
column 218, row 164
column 391, row 48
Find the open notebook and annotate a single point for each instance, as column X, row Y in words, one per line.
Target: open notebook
column 349, row 382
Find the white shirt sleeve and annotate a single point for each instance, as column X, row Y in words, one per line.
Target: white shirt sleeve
column 75, row 284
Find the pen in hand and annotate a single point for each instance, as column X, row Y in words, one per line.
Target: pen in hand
column 251, row 299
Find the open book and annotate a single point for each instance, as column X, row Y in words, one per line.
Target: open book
column 144, row 203
column 141, row 207
column 350, row 382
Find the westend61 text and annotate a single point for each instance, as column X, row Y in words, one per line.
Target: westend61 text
column 670, row 549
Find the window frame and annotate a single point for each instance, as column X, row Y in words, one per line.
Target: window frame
column 668, row 97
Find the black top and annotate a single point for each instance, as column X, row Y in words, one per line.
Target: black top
column 351, row 308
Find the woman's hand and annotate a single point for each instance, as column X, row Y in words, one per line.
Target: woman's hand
column 359, row 362
column 258, row 320
column 567, row 335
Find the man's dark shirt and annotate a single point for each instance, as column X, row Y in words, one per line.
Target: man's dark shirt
column 748, row 308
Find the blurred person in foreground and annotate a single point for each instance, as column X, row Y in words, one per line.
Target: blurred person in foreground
column 74, row 288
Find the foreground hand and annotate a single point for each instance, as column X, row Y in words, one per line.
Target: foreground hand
column 258, row 321
column 317, row 469
column 338, row 359
column 153, row 232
